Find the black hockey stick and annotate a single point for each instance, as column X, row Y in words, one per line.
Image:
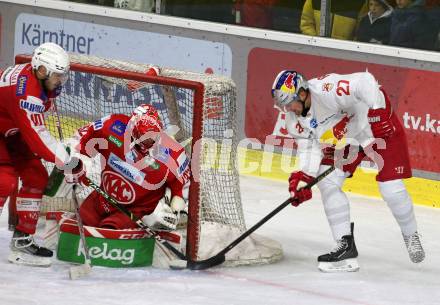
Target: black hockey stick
column 135, row 219
column 220, row 257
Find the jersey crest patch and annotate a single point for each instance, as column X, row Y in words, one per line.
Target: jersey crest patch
column 21, row 85
column 118, row 128
column 128, row 171
column 313, row 123
column 116, row 186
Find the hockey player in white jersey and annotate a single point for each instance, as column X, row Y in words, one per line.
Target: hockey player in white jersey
column 353, row 110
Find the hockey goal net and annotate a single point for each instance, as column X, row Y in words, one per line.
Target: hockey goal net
column 202, row 107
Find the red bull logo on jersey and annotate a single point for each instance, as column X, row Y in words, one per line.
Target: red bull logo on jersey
column 116, row 186
column 327, row 87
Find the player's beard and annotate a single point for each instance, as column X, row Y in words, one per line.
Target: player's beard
column 305, row 109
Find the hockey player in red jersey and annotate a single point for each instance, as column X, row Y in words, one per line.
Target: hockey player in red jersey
column 141, row 161
column 26, row 91
column 356, row 108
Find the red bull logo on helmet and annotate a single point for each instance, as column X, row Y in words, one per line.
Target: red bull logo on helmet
column 289, row 83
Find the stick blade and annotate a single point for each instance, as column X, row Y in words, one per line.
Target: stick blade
column 178, row 264
column 207, row 263
column 76, row 272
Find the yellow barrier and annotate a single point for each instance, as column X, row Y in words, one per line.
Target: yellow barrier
column 268, row 165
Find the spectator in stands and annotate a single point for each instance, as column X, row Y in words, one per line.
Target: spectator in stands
column 280, row 15
column 375, row 26
column 209, row 10
column 254, row 13
column 432, row 3
column 433, row 12
column 345, row 17
column 411, row 26
column 286, row 15
column 146, row 6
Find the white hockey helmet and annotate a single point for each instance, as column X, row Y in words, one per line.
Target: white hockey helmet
column 53, row 57
column 286, row 87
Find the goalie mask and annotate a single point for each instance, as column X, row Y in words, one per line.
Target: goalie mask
column 286, row 87
column 146, row 127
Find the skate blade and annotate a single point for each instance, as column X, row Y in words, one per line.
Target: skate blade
column 26, row 259
column 347, row 265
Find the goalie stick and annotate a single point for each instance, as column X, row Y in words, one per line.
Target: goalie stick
column 75, row 272
column 220, row 257
column 135, row 219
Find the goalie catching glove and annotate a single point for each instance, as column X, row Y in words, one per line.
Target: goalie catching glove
column 178, row 206
column 297, row 181
column 166, row 217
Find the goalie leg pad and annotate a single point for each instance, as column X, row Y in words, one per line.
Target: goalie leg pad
column 164, row 259
column 117, row 221
column 94, row 209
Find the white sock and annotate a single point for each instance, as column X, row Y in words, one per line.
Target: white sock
column 400, row 204
column 336, row 204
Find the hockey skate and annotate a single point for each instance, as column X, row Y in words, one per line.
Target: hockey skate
column 414, row 247
column 343, row 258
column 24, row 251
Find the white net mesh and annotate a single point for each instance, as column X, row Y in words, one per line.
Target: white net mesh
column 89, row 95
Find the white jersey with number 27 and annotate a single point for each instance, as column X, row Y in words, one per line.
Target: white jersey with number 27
column 334, row 98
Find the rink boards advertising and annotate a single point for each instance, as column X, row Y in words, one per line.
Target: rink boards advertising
column 413, row 93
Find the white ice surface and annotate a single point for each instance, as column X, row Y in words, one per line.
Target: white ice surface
column 386, row 276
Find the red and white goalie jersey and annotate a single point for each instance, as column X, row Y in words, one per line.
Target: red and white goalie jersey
column 135, row 180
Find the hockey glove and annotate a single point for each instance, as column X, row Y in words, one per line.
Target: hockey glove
column 162, row 218
column 297, row 180
column 75, row 172
column 178, row 206
column 380, row 121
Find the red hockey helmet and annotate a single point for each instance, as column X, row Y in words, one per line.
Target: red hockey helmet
column 146, row 127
